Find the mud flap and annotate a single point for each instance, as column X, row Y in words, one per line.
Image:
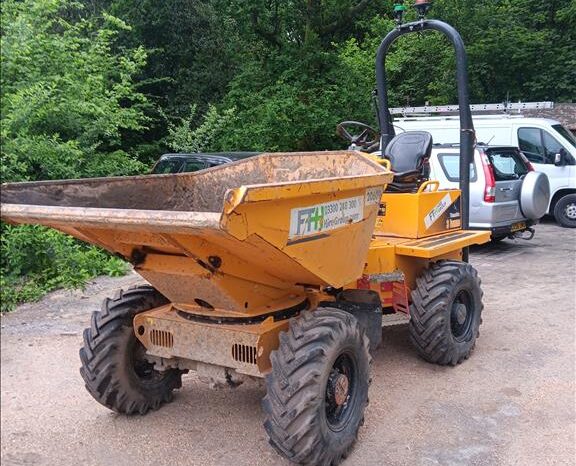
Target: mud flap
column 365, row 305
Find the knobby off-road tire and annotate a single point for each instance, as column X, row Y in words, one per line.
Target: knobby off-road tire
column 318, row 388
column 113, row 365
column 446, row 310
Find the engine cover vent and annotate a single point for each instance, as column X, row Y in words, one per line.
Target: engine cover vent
column 244, row 353
column 161, row 338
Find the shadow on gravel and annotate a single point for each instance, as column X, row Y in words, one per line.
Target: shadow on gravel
column 504, row 246
column 515, row 245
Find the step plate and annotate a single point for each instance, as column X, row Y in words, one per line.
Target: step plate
column 439, row 245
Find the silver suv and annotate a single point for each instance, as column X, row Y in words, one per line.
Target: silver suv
column 506, row 196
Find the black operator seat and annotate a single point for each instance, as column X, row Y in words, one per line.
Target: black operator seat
column 409, row 155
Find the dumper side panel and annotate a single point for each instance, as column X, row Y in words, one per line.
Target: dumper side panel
column 393, row 262
column 418, row 215
column 327, row 234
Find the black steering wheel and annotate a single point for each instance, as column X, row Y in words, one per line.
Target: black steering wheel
column 364, row 137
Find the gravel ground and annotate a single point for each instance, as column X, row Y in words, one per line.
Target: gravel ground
column 511, row 403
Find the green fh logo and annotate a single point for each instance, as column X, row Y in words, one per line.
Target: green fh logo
column 318, row 218
column 310, row 220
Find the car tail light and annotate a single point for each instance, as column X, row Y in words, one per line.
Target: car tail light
column 527, row 162
column 490, row 187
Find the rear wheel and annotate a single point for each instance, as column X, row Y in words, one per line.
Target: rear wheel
column 114, row 366
column 318, row 388
column 565, row 211
column 445, row 314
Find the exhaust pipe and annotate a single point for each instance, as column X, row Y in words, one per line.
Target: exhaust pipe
column 526, row 235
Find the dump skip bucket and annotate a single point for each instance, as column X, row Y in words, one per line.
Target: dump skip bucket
column 236, row 237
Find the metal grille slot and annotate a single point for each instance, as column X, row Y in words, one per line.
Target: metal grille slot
column 244, row 353
column 161, row 338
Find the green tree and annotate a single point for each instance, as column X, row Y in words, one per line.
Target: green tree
column 67, row 97
column 194, row 50
column 288, row 92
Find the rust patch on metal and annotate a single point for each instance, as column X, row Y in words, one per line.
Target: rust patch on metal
column 202, row 191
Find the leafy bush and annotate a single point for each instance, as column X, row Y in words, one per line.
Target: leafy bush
column 36, row 260
column 67, row 92
column 68, row 97
column 182, row 137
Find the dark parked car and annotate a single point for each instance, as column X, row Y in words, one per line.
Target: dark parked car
column 179, row 163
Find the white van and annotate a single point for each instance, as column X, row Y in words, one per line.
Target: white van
column 549, row 146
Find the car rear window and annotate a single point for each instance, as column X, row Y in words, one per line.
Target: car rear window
column 193, row 165
column 217, row 163
column 167, row 166
column 450, row 164
column 178, row 165
column 507, row 164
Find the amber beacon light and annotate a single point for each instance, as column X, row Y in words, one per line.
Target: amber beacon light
column 422, row 7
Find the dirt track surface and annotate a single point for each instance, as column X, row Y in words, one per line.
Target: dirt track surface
column 512, row 403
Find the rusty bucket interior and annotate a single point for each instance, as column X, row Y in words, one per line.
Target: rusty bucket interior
column 237, row 237
column 202, row 191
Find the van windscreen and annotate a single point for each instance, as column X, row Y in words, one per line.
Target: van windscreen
column 565, row 134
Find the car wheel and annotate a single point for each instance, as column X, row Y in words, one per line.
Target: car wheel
column 565, row 211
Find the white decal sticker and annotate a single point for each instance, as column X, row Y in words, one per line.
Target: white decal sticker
column 373, row 196
column 438, row 210
column 324, row 217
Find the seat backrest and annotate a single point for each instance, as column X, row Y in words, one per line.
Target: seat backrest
column 408, row 151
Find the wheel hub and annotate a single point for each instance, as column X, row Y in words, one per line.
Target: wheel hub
column 340, row 391
column 571, row 211
column 461, row 313
column 143, row 369
column 341, row 386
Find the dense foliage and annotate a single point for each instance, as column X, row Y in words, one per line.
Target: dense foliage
column 67, row 98
column 103, row 87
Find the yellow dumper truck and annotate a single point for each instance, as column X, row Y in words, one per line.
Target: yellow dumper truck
column 280, row 267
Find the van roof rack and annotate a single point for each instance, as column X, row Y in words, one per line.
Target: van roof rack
column 454, row 117
column 503, row 107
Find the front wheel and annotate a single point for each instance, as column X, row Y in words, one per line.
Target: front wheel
column 114, row 365
column 565, row 211
column 445, row 314
column 318, row 388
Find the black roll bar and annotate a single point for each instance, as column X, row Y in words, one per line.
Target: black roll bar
column 467, row 135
